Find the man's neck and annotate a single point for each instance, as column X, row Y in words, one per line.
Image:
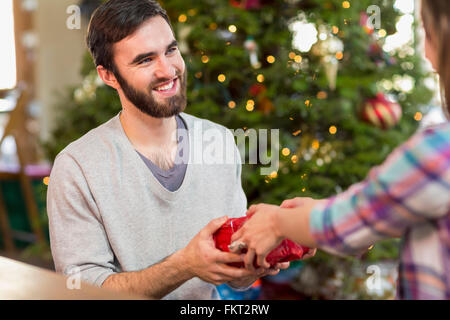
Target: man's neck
column 147, row 133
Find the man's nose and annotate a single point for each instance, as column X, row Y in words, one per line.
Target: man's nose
column 164, row 69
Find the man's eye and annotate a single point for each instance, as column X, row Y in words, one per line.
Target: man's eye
column 172, row 50
column 146, row 60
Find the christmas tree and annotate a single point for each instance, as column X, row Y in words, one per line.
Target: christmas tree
column 324, row 72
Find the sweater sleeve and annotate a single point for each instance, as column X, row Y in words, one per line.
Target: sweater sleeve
column 78, row 240
column 410, row 187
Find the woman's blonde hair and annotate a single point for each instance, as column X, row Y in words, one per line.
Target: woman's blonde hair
column 436, row 20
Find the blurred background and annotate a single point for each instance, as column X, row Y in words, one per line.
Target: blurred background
column 344, row 81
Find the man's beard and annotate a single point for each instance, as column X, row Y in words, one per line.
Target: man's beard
column 146, row 103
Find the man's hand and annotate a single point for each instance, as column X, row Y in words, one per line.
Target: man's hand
column 259, row 273
column 203, row 260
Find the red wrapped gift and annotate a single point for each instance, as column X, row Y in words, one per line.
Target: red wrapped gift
column 286, row 251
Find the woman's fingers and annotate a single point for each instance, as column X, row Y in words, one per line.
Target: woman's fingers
column 282, row 265
column 252, row 210
column 261, row 261
column 248, row 260
column 273, row 272
column 236, row 235
column 290, row 203
column 311, row 253
column 293, row 203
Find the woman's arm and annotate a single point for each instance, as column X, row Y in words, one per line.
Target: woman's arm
column 410, row 187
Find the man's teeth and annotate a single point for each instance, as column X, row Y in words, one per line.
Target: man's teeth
column 166, row 87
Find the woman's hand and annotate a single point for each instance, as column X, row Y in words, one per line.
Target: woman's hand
column 260, row 234
column 298, row 202
column 269, row 225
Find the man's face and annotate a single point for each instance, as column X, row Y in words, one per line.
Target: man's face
column 151, row 71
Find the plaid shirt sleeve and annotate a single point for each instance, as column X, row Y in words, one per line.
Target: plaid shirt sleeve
column 410, row 187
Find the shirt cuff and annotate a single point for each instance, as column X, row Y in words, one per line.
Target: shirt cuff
column 323, row 230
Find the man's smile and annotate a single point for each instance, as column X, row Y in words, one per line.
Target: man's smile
column 168, row 88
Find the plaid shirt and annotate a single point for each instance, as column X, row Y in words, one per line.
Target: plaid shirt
column 407, row 196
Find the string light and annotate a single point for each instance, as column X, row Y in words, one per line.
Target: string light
column 232, row 28
column 294, row 159
column 298, row 58
column 346, row 4
column 382, row 33
column 335, row 30
column 333, row 130
column 232, row 104
column 316, row 144
column 339, row 55
column 221, row 78
column 322, row 95
column 286, row 152
column 270, row 59
column 260, row 78
column 292, row 55
column 250, row 105
column 46, row 180
column 296, row 133
column 418, row 116
column 182, row 18
column 205, row 59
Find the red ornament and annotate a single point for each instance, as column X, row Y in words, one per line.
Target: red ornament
column 363, row 21
column 381, row 112
column 257, row 89
column 246, row 4
column 264, row 104
column 286, row 251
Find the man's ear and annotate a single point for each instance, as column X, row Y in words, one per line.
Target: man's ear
column 108, row 77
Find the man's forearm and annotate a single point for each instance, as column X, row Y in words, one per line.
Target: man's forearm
column 155, row 281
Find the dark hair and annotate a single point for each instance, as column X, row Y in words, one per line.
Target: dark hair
column 436, row 20
column 115, row 20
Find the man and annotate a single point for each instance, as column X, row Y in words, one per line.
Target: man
column 125, row 210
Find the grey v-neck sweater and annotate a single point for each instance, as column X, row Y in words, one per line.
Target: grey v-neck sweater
column 109, row 214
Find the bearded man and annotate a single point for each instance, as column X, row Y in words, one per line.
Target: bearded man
column 127, row 209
